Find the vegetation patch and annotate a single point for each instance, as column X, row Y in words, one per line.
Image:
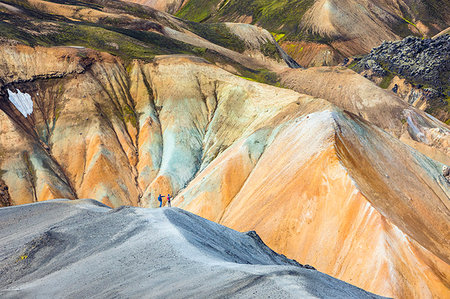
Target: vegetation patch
column 386, row 81
column 127, row 39
column 219, row 34
column 125, row 43
column 123, row 38
column 279, row 16
column 278, row 36
column 130, row 116
column 198, row 10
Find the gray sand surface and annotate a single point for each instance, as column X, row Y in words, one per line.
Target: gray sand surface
column 80, row 249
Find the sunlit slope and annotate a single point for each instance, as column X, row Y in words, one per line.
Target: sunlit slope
column 132, row 31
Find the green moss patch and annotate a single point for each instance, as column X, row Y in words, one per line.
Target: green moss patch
column 279, row 16
column 218, row 34
column 386, row 81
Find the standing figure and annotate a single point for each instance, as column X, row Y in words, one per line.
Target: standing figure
column 160, row 200
column 169, row 198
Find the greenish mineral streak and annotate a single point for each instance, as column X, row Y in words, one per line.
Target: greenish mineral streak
column 198, row 10
column 129, row 115
column 30, row 172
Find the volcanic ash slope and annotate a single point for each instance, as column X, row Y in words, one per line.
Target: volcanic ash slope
column 82, row 248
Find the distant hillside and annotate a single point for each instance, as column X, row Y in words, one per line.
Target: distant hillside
column 131, row 31
column 322, row 32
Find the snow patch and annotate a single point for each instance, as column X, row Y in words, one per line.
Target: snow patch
column 22, row 101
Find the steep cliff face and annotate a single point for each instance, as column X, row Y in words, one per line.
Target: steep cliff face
column 307, row 176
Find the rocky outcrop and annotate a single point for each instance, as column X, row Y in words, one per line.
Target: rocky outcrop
column 423, row 63
column 446, row 173
column 5, row 198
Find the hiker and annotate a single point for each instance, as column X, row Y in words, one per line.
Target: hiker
column 160, row 200
column 168, row 200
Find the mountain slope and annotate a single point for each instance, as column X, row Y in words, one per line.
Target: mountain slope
column 139, row 252
column 135, row 32
column 182, row 125
column 323, row 32
column 383, row 108
column 315, row 175
column 170, row 106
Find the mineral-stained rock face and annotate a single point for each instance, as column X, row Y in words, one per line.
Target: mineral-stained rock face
column 317, row 183
column 5, row 198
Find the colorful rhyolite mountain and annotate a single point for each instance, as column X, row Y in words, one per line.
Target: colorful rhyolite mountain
column 332, row 170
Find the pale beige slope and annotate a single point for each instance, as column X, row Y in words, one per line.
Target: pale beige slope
column 354, row 27
column 356, row 94
column 445, row 31
column 251, row 58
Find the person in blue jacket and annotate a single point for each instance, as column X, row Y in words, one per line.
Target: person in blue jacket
column 160, row 197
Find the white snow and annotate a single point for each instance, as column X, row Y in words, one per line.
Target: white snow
column 22, row 101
